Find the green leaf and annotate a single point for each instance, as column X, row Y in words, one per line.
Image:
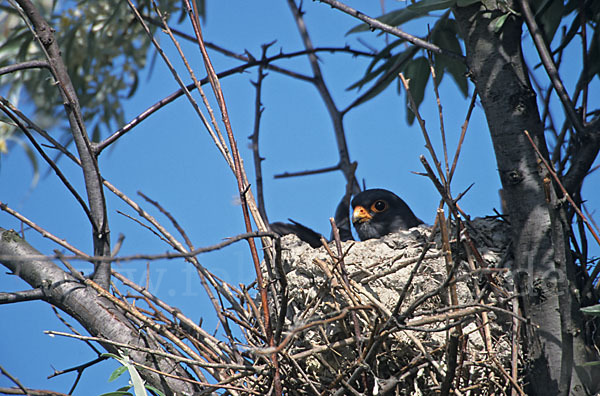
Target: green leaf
column 466, row 3
column 392, row 68
column 399, row 17
column 417, row 71
column 117, row 393
column 498, row 22
column 431, row 5
column 381, row 70
column 153, row 389
column 393, row 18
column 117, row 373
column 549, row 14
column 445, row 35
column 588, row 364
column 593, row 310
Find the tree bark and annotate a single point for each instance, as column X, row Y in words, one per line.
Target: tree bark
column 100, row 317
column 89, row 162
column 543, row 268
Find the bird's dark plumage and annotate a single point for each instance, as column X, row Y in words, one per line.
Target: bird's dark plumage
column 378, row 212
column 301, row 231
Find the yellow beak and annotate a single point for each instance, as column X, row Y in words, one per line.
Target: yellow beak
column 360, row 215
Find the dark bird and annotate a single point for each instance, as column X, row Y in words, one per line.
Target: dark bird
column 378, row 212
column 301, row 231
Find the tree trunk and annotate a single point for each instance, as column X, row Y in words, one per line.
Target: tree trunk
column 543, row 268
column 99, row 317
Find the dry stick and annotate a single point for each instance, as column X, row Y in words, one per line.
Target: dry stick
column 49, row 161
column 514, row 354
column 596, row 270
column 452, row 348
column 247, row 57
column 242, row 186
column 507, row 376
column 32, row 125
column 236, row 70
column 415, row 110
column 222, row 148
column 463, row 132
column 353, row 316
column 282, row 277
column 441, row 114
column 204, row 274
column 487, row 337
column 301, row 371
column 392, row 320
column 213, row 120
column 43, row 232
column 213, row 345
column 307, row 172
column 258, row 110
column 340, row 261
column 169, row 216
column 375, row 24
column 548, row 62
column 342, row 314
column 14, row 379
column 70, row 327
column 150, row 323
column 82, row 256
column 157, row 352
column 447, row 253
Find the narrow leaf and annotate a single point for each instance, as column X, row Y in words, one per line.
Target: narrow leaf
column 117, row 373
column 593, row 310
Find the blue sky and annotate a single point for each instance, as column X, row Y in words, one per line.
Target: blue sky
column 170, row 158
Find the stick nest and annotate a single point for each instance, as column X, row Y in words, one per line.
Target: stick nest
column 396, row 315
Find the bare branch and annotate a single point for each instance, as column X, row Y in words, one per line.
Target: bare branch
column 26, row 295
column 254, row 141
column 337, row 117
column 101, row 232
column 48, row 160
column 307, row 172
column 375, row 24
column 38, row 64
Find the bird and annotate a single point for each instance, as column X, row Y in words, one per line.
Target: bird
column 305, row 234
column 378, row 212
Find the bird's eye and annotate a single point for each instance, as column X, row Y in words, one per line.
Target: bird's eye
column 379, row 206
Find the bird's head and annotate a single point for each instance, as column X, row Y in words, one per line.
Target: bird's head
column 378, row 212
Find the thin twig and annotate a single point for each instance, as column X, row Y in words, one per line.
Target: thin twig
column 49, row 161
column 596, row 271
column 242, row 186
column 43, row 232
column 254, row 141
column 428, row 144
column 375, row 24
column 548, row 62
column 35, row 64
column 463, row 133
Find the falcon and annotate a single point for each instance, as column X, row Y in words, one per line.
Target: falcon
column 378, row 212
